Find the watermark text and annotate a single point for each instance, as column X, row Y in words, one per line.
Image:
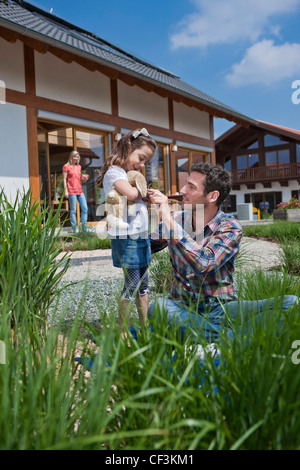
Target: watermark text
column 2, row 92
column 296, row 353
column 124, row 219
column 2, row 353
column 296, row 93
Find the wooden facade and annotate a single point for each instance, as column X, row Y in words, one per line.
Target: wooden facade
column 264, row 161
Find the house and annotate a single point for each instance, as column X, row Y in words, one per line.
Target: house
column 64, row 88
column 264, row 160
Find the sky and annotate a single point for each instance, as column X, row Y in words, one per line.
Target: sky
column 244, row 53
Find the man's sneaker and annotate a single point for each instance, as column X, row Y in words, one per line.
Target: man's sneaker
column 211, row 349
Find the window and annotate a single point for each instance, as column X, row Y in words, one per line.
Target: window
column 252, row 160
column 277, row 156
column 254, row 145
column 270, row 140
column 184, row 159
column 266, row 202
column 243, row 162
column 283, row 156
column 182, row 172
column 155, row 170
column 198, row 157
column 271, row 158
column 227, row 165
column 229, row 205
column 298, row 152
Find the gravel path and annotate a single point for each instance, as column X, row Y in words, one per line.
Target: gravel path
column 98, row 282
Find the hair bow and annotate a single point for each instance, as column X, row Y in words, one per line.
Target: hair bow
column 143, row 131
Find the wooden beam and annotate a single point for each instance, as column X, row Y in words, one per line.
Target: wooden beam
column 29, row 70
column 171, row 114
column 8, row 34
column 31, row 115
column 33, row 151
column 114, row 97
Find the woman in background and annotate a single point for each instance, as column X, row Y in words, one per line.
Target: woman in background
column 73, row 190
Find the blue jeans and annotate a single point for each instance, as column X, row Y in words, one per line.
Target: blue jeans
column 73, row 210
column 212, row 316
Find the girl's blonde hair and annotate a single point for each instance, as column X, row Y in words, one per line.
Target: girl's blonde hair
column 125, row 146
column 70, row 159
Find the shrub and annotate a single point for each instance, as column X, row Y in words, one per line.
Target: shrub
column 291, row 204
column 29, row 273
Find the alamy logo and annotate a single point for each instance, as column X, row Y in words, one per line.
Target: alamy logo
column 121, row 224
column 2, row 352
column 296, row 354
column 296, row 94
column 2, row 92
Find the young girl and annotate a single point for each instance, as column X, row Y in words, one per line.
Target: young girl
column 131, row 246
column 73, row 189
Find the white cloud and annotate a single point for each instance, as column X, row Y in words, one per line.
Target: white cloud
column 229, row 21
column 266, row 63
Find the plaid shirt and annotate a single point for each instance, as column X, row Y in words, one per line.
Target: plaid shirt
column 201, row 269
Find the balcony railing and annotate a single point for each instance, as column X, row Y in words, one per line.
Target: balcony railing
column 282, row 171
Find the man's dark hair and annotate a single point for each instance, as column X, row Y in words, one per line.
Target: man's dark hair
column 217, row 179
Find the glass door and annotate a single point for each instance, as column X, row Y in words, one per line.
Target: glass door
column 183, row 162
column 92, row 148
column 55, row 143
column 182, row 168
column 61, row 144
column 155, row 170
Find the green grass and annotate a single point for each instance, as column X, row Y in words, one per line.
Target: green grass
column 277, row 231
column 155, row 395
column 83, row 242
column 290, row 256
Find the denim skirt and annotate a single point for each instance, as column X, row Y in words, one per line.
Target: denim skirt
column 130, row 253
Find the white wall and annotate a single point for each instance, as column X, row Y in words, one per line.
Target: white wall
column 140, row 105
column 14, row 171
column 12, row 65
column 191, row 121
column 259, row 188
column 71, row 83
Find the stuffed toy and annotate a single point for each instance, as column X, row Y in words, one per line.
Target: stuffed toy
column 116, row 203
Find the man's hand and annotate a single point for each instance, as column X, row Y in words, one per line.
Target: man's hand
column 161, row 205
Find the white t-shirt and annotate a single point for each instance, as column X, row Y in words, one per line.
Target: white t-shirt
column 138, row 223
